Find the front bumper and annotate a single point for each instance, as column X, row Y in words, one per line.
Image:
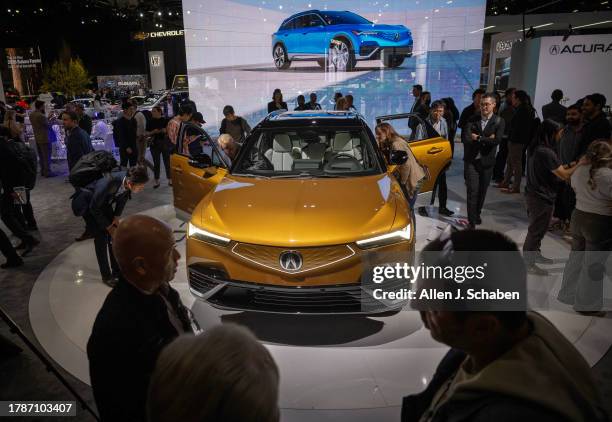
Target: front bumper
column 375, row 52
column 236, row 281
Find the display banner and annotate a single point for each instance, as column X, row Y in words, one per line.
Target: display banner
column 578, row 66
column 123, row 85
column 500, row 60
column 21, row 68
column 157, row 69
column 240, row 51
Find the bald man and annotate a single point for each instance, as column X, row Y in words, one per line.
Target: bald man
column 139, row 317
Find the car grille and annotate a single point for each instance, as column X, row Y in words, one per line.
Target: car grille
column 313, row 258
column 247, row 296
column 391, row 36
column 202, row 280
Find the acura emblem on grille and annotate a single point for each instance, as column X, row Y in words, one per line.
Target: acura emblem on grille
column 291, row 260
column 396, row 36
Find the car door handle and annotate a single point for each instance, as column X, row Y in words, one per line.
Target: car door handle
column 178, row 169
column 435, row 150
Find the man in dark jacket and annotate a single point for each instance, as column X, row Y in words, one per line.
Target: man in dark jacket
column 13, row 175
column 480, row 136
column 77, row 141
column 505, row 364
column 520, row 135
column 138, row 319
column 506, row 112
column 596, row 125
column 124, row 132
column 109, row 197
column 84, row 121
column 554, row 110
column 471, row 110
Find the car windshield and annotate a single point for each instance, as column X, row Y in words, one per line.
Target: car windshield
column 151, row 99
column 339, row 18
column 309, row 152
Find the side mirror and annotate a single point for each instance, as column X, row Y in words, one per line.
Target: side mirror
column 398, row 158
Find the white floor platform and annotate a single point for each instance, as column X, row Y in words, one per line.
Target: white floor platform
column 332, row 367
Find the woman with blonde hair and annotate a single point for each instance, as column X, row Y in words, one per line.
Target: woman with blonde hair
column 228, row 146
column 10, row 122
column 411, row 174
column 591, row 227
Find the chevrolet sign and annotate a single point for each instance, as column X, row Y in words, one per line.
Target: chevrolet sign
column 141, row 36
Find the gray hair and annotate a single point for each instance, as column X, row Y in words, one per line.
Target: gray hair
column 224, row 375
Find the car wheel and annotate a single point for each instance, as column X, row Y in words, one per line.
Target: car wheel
column 392, row 61
column 341, row 55
column 281, row 61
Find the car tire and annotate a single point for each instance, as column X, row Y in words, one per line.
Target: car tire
column 341, row 56
column 281, row 60
column 392, row 61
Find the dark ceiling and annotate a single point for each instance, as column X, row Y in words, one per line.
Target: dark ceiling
column 517, row 7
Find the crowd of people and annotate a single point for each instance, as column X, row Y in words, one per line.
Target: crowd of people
column 170, row 370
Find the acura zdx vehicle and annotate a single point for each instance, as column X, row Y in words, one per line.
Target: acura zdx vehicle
column 290, row 225
column 337, row 40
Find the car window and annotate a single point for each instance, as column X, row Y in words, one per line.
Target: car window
column 339, row 18
column 312, row 21
column 301, row 22
column 412, row 128
column 195, row 141
column 288, row 25
column 313, row 151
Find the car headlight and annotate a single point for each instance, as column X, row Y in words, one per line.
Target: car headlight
column 206, row 236
column 386, row 239
column 364, row 32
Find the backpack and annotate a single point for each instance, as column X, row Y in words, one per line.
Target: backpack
column 28, row 161
column 91, row 167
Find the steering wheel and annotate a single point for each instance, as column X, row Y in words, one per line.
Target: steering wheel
column 343, row 161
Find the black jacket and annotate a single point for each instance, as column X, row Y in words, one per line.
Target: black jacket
column 11, row 173
column 554, row 111
column 485, row 145
column 85, row 123
column 105, row 202
column 124, row 133
column 77, row 145
column 488, row 407
column 522, row 124
column 128, row 334
column 598, row 128
column 467, row 113
column 272, row 106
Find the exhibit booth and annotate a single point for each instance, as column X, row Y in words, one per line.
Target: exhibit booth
column 578, row 65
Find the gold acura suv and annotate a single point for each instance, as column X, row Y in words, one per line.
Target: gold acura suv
column 306, row 205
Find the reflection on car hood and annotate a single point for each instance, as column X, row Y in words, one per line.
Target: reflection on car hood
column 300, row 212
column 370, row 27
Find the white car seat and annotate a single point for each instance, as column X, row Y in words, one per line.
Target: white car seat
column 280, row 154
column 343, row 143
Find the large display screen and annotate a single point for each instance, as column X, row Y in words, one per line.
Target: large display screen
column 240, row 51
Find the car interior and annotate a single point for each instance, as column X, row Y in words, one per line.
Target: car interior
column 297, row 151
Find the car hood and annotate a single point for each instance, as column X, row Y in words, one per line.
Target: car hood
column 371, row 27
column 300, row 212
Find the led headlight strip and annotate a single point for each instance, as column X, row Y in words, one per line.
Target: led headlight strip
column 205, row 236
column 386, row 239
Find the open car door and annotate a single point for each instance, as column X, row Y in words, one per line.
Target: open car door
column 197, row 167
column 429, row 148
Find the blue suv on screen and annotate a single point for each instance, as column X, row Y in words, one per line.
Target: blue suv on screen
column 337, row 40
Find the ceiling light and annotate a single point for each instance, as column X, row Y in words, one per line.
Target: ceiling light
column 592, row 24
column 189, row 12
column 604, row 2
column 449, row 2
column 140, row 14
column 169, row 13
column 482, row 29
column 538, row 26
column 159, row 13
column 574, row 11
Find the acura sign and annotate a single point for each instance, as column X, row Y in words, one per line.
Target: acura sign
column 556, row 49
